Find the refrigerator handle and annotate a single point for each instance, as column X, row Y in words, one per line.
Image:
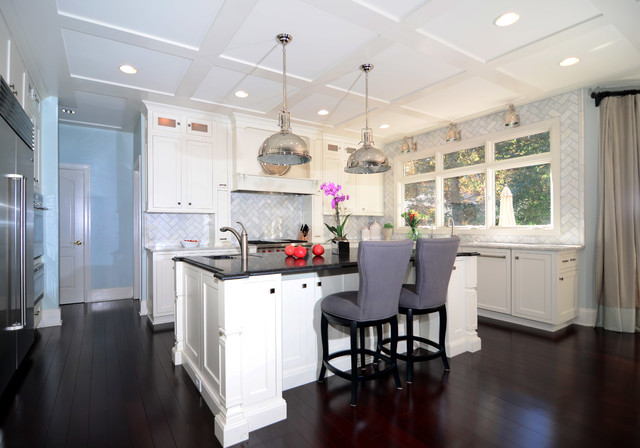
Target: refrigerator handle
column 23, row 251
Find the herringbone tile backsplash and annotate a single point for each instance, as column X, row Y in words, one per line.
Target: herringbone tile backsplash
column 269, row 215
column 167, row 230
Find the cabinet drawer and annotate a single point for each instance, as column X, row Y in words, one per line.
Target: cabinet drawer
column 568, row 261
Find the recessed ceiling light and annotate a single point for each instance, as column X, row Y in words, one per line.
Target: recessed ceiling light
column 241, row 94
column 566, row 62
column 384, row 126
column 128, row 69
column 323, row 112
column 506, row 19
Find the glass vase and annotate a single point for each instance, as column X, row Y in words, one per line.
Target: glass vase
column 413, row 233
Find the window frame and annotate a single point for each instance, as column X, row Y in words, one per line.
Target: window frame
column 489, row 167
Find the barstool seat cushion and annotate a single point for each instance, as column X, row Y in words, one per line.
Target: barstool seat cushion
column 409, row 298
column 342, row 304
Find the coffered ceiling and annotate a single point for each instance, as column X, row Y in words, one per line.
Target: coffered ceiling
column 435, row 61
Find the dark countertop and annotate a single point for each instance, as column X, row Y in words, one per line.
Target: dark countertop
column 226, row 268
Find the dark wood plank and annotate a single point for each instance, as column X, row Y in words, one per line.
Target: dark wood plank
column 105, row 379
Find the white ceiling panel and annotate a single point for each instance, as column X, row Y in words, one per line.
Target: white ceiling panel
column 319, row 38
column 603, row 53
column 220, row 85
column 99, row 59
column 399, row 124
column 468, row 26
column 398, row 71
column 186, row 25
column 395, row 10
column 99, row 110
column 463, row 99
column 340, row 110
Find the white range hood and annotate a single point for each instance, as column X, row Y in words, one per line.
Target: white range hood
column 274, row 184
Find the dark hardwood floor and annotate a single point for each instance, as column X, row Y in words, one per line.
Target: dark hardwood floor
column 104, row 379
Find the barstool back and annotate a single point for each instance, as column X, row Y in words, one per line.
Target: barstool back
column 382, row 266
column 434, row 263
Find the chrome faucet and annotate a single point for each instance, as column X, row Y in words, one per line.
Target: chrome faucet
column 450, row 222
column 243, row 240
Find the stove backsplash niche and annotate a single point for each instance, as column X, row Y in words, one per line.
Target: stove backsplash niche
column 269, row 215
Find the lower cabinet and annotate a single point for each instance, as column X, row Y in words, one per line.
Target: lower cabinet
column 161, row 284
column 534, row 286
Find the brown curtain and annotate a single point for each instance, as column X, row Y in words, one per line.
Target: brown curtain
column 618, row 244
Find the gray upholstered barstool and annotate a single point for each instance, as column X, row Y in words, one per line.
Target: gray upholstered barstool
column 382, row 266
column 434, row 259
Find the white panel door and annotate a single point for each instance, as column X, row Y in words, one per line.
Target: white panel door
column 494, row 280
column 165, row 179
column 532, row 285
column 199, row 179
column 73, row 238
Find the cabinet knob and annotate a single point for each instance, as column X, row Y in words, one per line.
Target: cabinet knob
column 517, row 258
column 189, row 203
column 179, row 203
column 561, row 279
column 272, row 291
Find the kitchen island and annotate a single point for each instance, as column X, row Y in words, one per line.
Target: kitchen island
column 246, row 334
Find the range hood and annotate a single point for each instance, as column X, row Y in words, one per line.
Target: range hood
column 274, row 184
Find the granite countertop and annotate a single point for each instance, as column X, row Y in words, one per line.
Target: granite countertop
column 212, row 249
column 275, row 263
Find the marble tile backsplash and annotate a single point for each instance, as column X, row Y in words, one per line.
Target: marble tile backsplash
column 168, row 229
column 269, row 215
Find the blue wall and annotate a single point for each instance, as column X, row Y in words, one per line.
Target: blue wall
column 110, row 157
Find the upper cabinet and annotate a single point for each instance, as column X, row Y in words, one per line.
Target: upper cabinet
column 366, row 191
column 187, row 160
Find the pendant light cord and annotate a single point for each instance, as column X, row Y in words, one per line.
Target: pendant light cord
column 284, row 77
column 366, row 98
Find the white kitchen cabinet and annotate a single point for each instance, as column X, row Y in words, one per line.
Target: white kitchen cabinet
column 193, row 315
column 160, row 287
column 494, row 280
column 185, row 156
column 366, row 191
column 5, row 43
column 531, row 287
column 16, row 73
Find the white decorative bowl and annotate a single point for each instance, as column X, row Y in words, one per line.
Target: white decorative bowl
column 188, row 243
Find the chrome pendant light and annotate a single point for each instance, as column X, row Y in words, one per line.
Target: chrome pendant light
column 367, row 159
column 284, row 147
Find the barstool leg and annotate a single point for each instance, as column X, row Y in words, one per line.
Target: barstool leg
column 394, row 349
column 354, row 361
column 362, row 361
column 324, row 334
column 409, row 345
column 443, row 331
column 379, row 342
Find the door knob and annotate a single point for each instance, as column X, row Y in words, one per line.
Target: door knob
column 77, row 243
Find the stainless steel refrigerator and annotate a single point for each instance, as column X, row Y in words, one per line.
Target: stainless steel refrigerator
column 16, row 234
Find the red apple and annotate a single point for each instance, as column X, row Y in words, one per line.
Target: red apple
column 318, row 249
column 300, row 252
column 300, row 262
column 289, row 249
column 289, row 261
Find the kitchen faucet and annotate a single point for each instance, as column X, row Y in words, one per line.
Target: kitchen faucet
column 243, row 240
column 450, row 220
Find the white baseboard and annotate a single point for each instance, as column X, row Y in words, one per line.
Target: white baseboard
column 586, row 317
column 50, row 318
column 103, row 295
column 143, row 307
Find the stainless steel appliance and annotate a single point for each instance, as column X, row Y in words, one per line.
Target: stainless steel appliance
column 38, row 225
column 263, row 246
column 16, row 234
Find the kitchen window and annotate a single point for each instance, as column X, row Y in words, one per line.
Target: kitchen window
column 466, row 181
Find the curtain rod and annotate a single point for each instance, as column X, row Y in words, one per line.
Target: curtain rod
column 599, row 96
